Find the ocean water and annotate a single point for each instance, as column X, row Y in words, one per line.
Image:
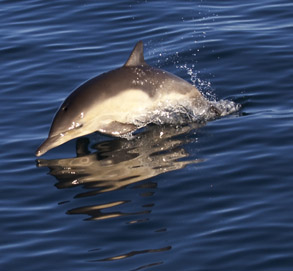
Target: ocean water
column 216, row 196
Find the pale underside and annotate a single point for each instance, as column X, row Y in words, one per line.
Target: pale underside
column 122, row 113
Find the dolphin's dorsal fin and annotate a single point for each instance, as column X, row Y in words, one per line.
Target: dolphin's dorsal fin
column 136, row 57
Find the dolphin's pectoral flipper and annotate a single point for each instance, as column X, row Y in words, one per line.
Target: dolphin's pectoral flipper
column 82, row 146
column 116, row 128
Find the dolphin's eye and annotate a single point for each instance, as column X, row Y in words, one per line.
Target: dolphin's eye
column 64, row 108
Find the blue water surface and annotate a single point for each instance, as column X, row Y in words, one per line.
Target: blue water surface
column 215, row 197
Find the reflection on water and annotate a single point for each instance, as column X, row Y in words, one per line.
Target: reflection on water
column 133, row 253
column 115, row 164
column 118, row 163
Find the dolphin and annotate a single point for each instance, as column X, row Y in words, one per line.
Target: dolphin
column 120, row 101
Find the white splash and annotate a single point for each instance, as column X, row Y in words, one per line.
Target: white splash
column 185, row 112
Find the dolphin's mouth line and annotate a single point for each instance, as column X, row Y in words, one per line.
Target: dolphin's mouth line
column 52, row 139
column 62, row 134
column 75, row 125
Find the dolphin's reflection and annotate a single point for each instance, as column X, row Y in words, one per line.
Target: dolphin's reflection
column 120, row 162
column 106, row 168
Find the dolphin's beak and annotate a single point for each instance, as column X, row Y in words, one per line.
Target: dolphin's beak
column 48, row 144
column 59, row 139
